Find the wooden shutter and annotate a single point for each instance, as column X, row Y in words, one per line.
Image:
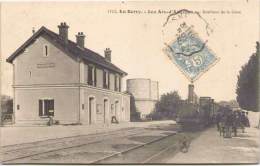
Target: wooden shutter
column 90, row 82
column 104, row 79
column 46, row 107
column 116, row 82
column 40, row 107
column 51, row 107
column 119, row 84
column 108, row 86
column 95, row 77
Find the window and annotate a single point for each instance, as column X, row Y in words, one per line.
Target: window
column 46, row 107
column 119, row 88
column 30, row 74
column 105, row 79
column 108, row 81
column 92, row 75
column 45, row 50
column 117, row 83
column 18, row 106
column 91, row 108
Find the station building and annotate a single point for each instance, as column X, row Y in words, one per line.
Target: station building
column 145, row 93
column 54, row 76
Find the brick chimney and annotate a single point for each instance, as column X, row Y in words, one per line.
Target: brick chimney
column 107, row 52
column 80, row 38
column 191, row 93
column 63, row 31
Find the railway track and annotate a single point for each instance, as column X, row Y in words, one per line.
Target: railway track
column 130, row 150
column 15, row 154
column 13, row 148
column 119, row 134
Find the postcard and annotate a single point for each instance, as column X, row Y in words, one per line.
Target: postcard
column 130, row 82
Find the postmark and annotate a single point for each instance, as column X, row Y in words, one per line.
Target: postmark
column 188, row 50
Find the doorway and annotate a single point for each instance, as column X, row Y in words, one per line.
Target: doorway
column 91, row 109
column 116, row 110
column 106, row 105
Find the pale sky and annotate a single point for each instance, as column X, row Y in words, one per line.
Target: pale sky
column 137, row 41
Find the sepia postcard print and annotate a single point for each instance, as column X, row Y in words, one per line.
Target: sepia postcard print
column 130, row 82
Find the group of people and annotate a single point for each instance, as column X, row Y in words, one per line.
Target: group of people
column 228, row 122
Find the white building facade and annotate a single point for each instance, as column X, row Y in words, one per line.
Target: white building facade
column 55, row 77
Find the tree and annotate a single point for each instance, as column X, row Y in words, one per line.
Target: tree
column 247, row 84
column 134, row 115
column 168, row 105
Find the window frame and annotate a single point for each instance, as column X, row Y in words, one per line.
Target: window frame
column 46, row 50
column 93, row 81
column 106, row 79
column 45, row 111
column 117, row 82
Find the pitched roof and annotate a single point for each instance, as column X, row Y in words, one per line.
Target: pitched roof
column 71, row 47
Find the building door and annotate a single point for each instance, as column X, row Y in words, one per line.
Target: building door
column 105, row 109
column 91, row 109
column 117, row 109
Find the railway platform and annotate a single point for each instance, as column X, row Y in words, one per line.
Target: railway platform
column 11, row 135
column 135, row 143
column 210, row 148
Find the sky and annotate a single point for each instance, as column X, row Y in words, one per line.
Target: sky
column 137, row 39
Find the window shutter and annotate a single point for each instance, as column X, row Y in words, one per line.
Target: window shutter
column 95, row 77
column 46, row 50
column 40, row 107
column 89, row 75
column 108, row 85
column 104, row 79
column 51, row 107
column 46, row 107
column 115, row 83
column 119, row 84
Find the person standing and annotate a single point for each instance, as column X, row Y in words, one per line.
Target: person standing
column 235, row 123
column 228, row 124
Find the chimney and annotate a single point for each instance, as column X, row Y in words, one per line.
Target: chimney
column 80, row 38
column 107, row 52
column 191, row 93
column 63, row 31
column 33, row 30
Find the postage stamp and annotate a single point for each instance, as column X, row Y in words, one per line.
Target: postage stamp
column 191, row 55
